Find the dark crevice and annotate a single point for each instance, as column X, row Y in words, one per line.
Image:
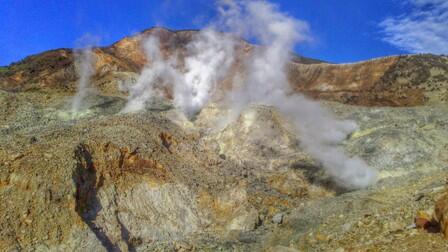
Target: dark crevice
column 316, row 175
column 125, row 236
column 87, row 203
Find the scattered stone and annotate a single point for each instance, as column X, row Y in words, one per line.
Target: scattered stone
column 322, row 237
column 411, row 226
column 183, row 247
column 422, row 220
column 346, row 227
column 278, row 218
column 167, row 140
column 15, row 156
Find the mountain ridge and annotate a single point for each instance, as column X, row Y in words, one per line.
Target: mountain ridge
column 387, row 81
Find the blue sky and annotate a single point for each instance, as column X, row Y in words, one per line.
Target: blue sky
column 342, row 30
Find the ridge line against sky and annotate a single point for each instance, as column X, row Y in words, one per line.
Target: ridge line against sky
column 348, row 31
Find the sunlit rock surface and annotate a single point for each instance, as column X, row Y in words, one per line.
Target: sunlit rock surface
column 102, row 180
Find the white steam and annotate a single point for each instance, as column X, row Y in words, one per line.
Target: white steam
column 209, row 58
column 85, row 68
column 159, row 71
column 266, row 82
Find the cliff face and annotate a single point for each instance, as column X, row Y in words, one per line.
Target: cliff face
column 154, row 181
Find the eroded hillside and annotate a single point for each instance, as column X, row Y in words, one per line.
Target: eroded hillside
column 155, row 181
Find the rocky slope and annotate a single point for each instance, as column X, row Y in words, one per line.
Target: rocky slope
column 407, row 80
column 154, row 181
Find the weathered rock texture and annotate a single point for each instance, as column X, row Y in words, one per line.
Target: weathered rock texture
column 393, row 81
column 152, row 181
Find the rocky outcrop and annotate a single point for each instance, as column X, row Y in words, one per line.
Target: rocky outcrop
column 150, row 181
column 125, row 182
column 153, row 181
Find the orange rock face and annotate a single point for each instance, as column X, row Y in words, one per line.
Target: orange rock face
column 441, row 213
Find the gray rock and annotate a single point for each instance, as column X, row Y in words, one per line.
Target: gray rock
column 278, row 218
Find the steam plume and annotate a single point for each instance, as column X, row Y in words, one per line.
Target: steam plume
column 209, row 56
column 84, row 63
column 265, row 81
column 159, row 70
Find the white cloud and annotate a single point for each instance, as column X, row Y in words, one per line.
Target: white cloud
column 427, row 2
column 423, row 30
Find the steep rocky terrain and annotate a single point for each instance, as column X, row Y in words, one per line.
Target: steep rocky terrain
column 154, row 181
